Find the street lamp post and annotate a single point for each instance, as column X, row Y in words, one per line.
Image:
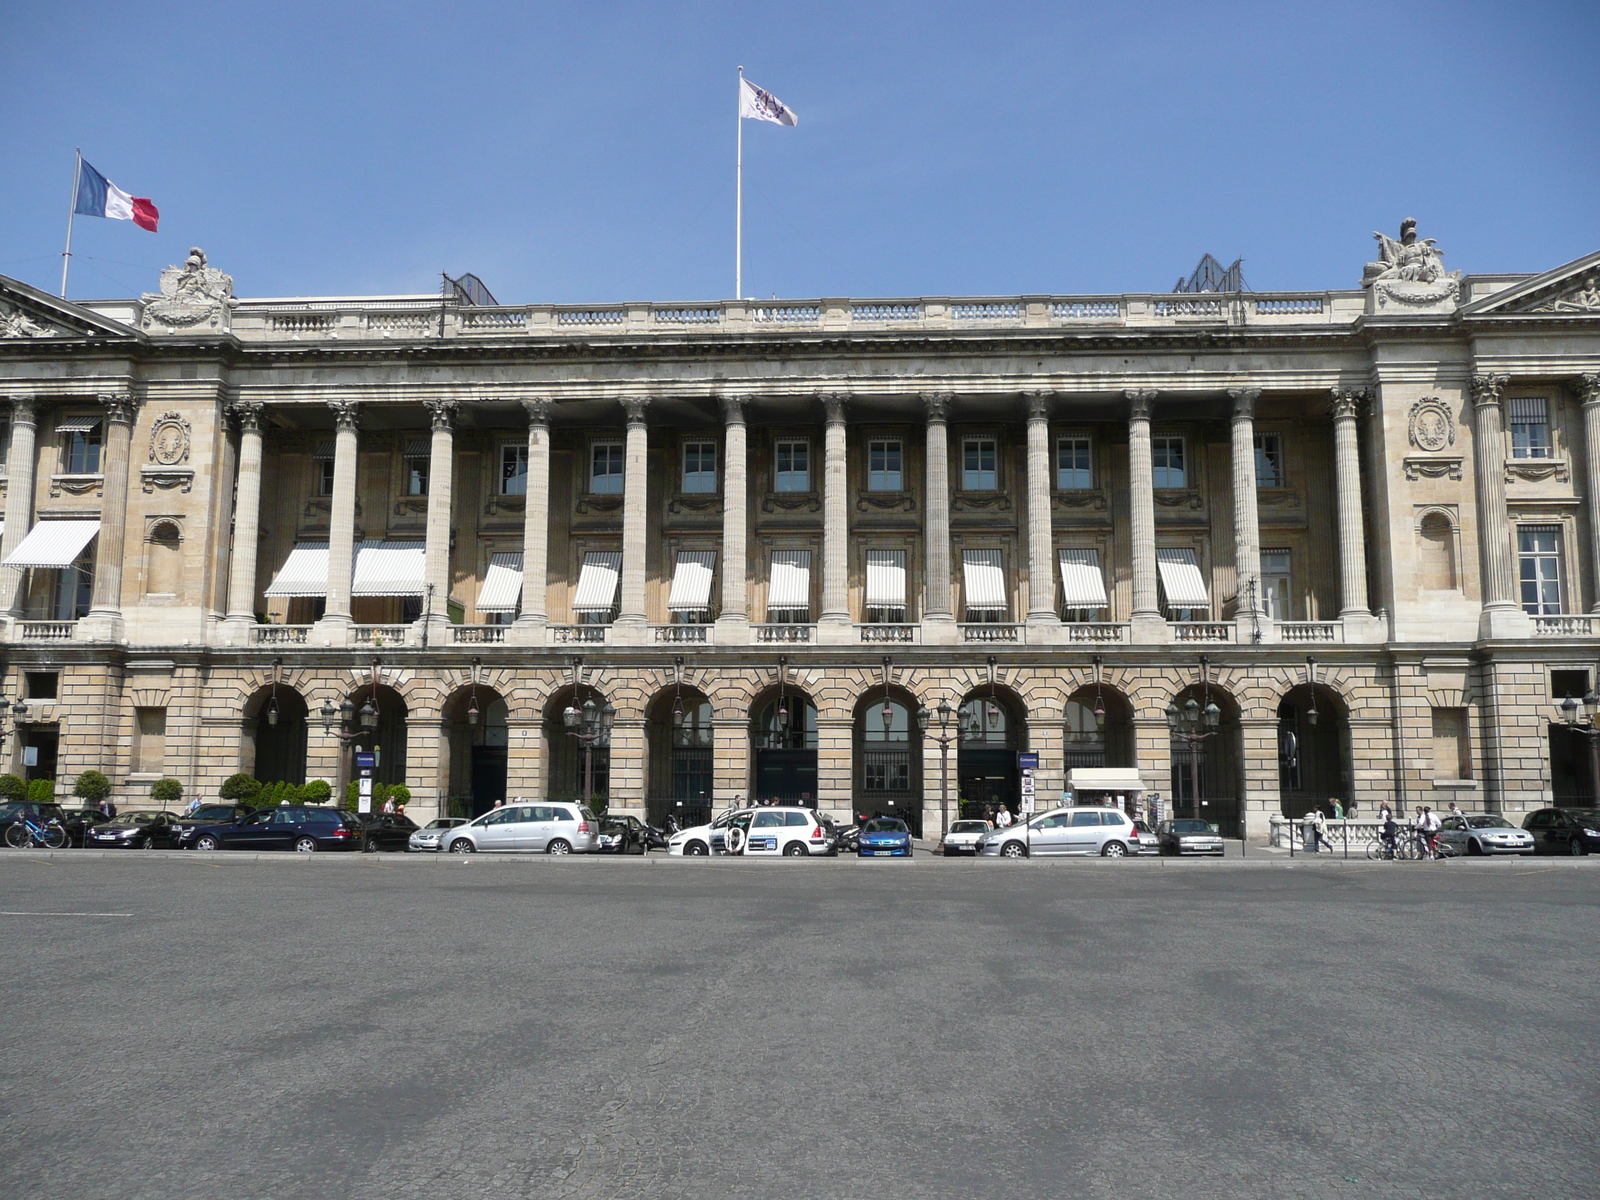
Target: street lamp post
column 590, row 725
column 352, row 727
column 943, row 737
column 1194, row 725
column 1589, row 731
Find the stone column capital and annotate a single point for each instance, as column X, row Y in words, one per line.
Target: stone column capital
column 833, row 406
column 346, row 413
column 1039, row 404
column 1589, row 388
column 537, row 408
column 442, row 412
column 732, row 407
column 1244, row 402
column 1347, row 403
column 1486, row 389
column 120, row 407
column 635, row 407
column 24, row 408
column 1141, row 402
column 247, row 413
column 937, row 405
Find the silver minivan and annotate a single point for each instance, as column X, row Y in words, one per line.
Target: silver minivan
column 1102, row 831
column 528, row 828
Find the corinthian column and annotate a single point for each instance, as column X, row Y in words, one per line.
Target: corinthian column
column 246, row 525
column 1147, row 623
column 1352, row 525
column 1589, row 390
column 20, row 467
column 1041, row 570
column 1501, row 615
column 1246, row 520
column 733, row 623
column 529, row 628
column 631, row 617
column 441, row 483
column 938, row 621
column 334, row 628
column 833, row 623
column 104, row 622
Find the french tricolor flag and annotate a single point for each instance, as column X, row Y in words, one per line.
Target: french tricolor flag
column 99, row 197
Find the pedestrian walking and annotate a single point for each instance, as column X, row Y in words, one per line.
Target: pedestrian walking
column 388, row 806
column 1338, row 809
column 1308, row 829
column 1391, row 831
column 1455, row 811
column 1431, row 824
column 1319, row 829
column 194, row 807
column 108, row 810
column 1350, row 811
column 1005, row 818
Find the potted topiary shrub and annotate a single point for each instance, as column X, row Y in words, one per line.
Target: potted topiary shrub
column 316, row 792
column 41, row 791
column 166, row 791
column 91, row 786
column 12, row 788
column 241, row 789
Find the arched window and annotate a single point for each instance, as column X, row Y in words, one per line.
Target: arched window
column 165, row 562
column 984, row 721
column 789, row 723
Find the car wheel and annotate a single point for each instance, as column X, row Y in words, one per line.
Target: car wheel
column 305, row 845
column 1013, row 850
column 1576, row 848
column 463, row 846
column 696, row 850
column 557, row 846
column 949, row 853
column 148, row 843
column 1474, row 848
column 1113, row 850
column 796, row 850
column 207, row 842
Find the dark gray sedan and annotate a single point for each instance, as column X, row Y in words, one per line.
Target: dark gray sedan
column 1188, row 835
column 1484, row 833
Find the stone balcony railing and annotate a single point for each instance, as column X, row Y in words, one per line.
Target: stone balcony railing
column 1573, row 626
column 1202, row 631
column 46, row 631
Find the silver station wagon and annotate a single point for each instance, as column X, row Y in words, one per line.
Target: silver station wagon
column 1099, row 831
column 529, row 828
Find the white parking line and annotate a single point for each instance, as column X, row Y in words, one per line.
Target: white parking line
column 76, row 914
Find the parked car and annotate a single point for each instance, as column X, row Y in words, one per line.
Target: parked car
column 761, row 832
column 884, row 837
column 141, row 830
column 303, row 828
column 427, row 838
column 1063, row 831
column 1483, row 833
column 963, row 837
column 385, row 831
column 79, row 819
column 185, row 827
column 1149, row 842
column 564, row 828
column 621, row 835
column 1564, row 830
column 1188, row 835
column 73, row 821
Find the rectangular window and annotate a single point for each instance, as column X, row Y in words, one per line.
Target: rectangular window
column 1452, row 758
column 1275, row 584
column 1166, row 459
column 792, row 467
column 1073, row 473
column 1269, row 460
column 514, row 469
column 1539, row 552
column 605, row 468
column 74, row 586
column 883, row 465
column 1569, row 683
column 149, row 739
column 1529, row 418
column 417, row 474
column 700, row 467
column 81, row 450
column 46, row 685
column 978, row 469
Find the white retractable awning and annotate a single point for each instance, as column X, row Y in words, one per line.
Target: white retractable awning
column 389, row 569
column 691, row 581
column 78, row 424
column 1104, row 779
column 304, row 573
column 418, row 448
column 789, row 585
column 1181, row 578
column 53, row 544
column 886, row 578
column 985, row 579
column 502, row 586
column 598, row 581
column 1082, row 585
column 324, row 449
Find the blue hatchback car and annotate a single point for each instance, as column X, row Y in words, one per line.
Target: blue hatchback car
column 884, row 837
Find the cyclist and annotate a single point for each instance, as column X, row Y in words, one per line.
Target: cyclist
column 1391, row 832
column 1430, row 831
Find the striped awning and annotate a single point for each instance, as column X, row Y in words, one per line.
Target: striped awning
column 886, row 578
column 1082, row 585
column 418, row 448
column 1181, row 579
column 304, row 572
column 789, row 585
column 502, row 586
column 53, row 544
column 598, row 582
column 985, row 580
column 390, row 569
column 324, row 449
column 78, row 424
column 691, row 581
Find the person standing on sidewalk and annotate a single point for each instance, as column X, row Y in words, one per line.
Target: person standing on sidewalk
column 1308, row 829
column 1319, row 829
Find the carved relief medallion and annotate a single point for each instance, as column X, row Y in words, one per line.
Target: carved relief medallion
column 169, row 440
column 1433, row 425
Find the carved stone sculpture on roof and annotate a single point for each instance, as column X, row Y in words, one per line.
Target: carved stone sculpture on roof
column 1584, row 297
column 191, row 295
column 1410, row 271
column 14, row 323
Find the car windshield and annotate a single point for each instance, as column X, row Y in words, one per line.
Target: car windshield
column 969, row 827
column 885, row 825
column 1190, row 827
column 443, row 823
column 1489, row 822
column 133, row 818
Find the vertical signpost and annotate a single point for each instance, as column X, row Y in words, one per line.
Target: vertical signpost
column 1027, row 766
column 366, row 764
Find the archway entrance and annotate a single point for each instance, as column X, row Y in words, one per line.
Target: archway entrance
column 578, row 764
column 1207, row 775
column 993, row 728
column 475, row 729
column 888, row 758
column 1098, row 729
column 678, row 724
column 783, row 735
column 388, row 740
column 1571, row 772
column 278, row 734
column 1313, row 749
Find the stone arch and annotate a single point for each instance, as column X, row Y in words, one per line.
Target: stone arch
column 1208, row 772
column 783, row 743
column 388, row 740
column 992, row 728
column 163, row 553
column 886, row 756
column 276, row 721
column 680, row 751
column 1098, row 728
column 474, row 719
column 576, row 767
column 1314, row 755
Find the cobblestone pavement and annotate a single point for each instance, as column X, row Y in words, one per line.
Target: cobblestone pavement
column 851, row 1031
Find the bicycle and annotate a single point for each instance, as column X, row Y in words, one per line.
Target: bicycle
column 26, row 832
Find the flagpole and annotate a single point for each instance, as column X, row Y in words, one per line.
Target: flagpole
column 738, row 220
column 72, row 209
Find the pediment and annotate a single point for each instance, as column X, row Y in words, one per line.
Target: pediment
column 27, row 314
column 1572, row 289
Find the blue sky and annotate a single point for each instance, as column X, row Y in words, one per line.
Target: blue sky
column 572, row 153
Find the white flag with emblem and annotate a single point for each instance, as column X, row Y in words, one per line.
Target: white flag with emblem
column 761, row 105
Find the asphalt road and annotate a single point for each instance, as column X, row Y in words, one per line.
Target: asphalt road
column 208, row 1027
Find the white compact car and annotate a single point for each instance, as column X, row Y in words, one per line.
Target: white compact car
column 963, row 837
column 777, row 831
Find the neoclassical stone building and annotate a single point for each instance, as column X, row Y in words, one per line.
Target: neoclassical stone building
column 1358, row 527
